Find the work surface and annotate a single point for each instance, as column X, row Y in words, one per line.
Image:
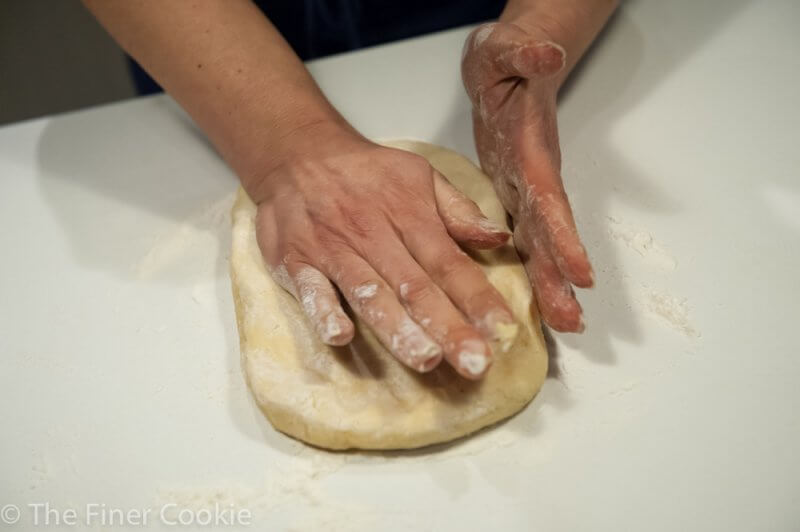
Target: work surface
column 675, row 410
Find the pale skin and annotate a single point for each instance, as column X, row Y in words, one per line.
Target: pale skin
column 339, row 214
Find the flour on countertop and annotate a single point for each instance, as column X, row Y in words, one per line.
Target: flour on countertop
column 299, row 483
column 40, row 471
column 170, row 247
column 668, row 309
column 672, row 310
column 628, row 387
column 642, row 242
column 301, row 479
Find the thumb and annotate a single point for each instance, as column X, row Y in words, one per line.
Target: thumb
column 463, row 218
column 530, row 59
column 496, row 51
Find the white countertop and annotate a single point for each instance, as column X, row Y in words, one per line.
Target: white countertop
column 676, row 410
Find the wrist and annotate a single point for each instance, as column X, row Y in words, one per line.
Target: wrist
column 538, row 23
column 302, row 140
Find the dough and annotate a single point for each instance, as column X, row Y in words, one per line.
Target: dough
column 359, row 396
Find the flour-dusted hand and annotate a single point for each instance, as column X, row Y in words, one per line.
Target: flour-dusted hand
column 510, row 75
column 335, row 210
column 382, row 226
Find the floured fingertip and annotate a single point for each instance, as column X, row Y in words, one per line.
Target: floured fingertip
column 429, row 365
column 335, row 329
column 412, row 345
column 488, row 225
column 541, row 58
column 473, row 360
column 501, row 328
column 554, row 59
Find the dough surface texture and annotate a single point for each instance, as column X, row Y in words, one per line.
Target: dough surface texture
column 359, row 396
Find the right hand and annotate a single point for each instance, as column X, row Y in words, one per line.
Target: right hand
column 382, row 226
column 511, row 75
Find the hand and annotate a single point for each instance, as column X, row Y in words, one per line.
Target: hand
column 510, row 75
column 381, row 225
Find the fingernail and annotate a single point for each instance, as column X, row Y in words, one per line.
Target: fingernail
column 417, row 348
column 472, row 358
column 581, row 325
column 329, row 328
column 429, row 364
column 501, row 328
column 489, row 226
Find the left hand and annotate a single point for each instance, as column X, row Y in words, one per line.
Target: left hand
column 511, row 76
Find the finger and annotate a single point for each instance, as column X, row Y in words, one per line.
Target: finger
column 554, row 295
column 563, row 240
column 496, row 51
column 530, row 59
column 316, row 295
column 464, row 346
column 376, row 303
column 463, row 218
column 462, row 280
column 547, row 206
column 320, row 302
column 267, row 236
column 489, row 152
column 267, row 239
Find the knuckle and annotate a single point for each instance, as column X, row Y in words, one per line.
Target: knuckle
column 418, row 163
column 453, row 266
column 417, row 224
column 408, row 161
column 406, row 169
column 481, row 300
column 336, row 264
column 416, row 290
column 359, row 221
column 363, row 295
column 327, row 241
column 342, row 223
column 293, row 254
column 364, row 290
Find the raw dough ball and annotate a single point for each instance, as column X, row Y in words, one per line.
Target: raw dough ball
column 359, row 396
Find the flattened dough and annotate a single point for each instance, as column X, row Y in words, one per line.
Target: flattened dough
column 359, row 396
